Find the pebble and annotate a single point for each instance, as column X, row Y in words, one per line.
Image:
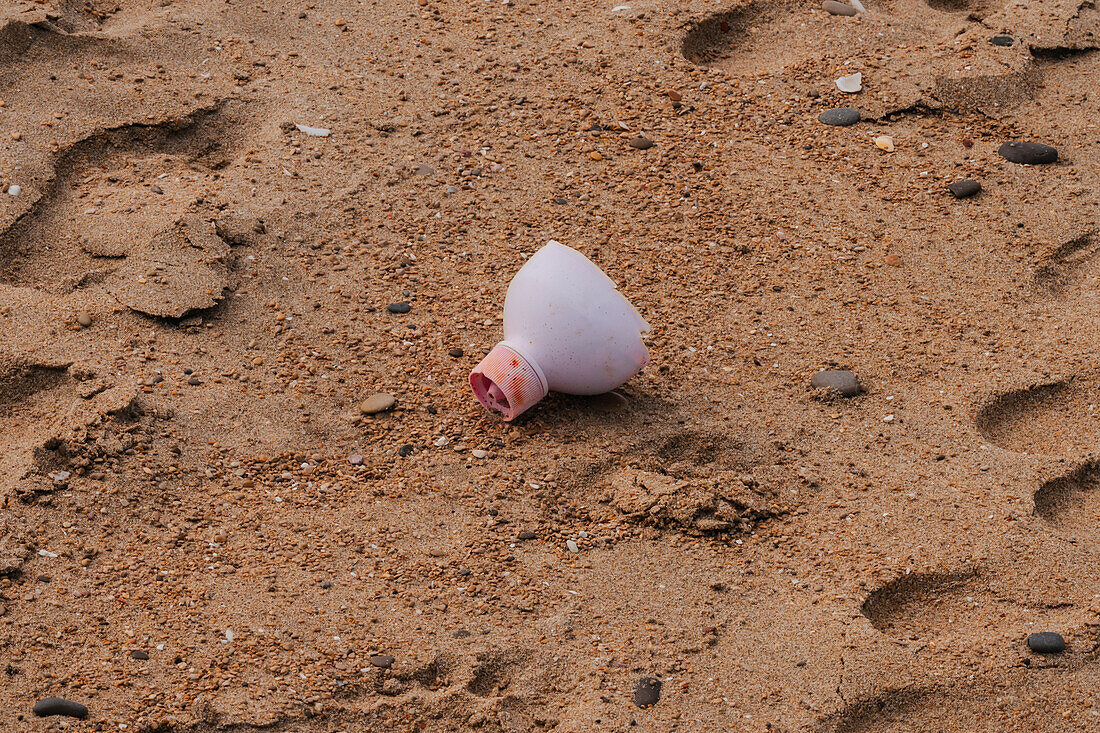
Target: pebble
column 838, row 380
column 478, row 453
column 572, row 546
column 399, row 307
column 385, row 661
column 647, row 692
column 885, row 142
column 456, row 353
column 832, row 7
column 965, row 188
column 641, row 143
column 1001, row 40
column 526, row 535
column 405, row 450
column 377, row 403
column 14, row 190
column 59, row 706
column 355, row 459
column 840, row 117
column 425, row 170
column 1026, row 153
column 84, row 319
column 139, row 654
column 1046, row 642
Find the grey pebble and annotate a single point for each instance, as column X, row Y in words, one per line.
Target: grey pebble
column 399, row 307
column 1025, row 153
column 385, row 661
column 840, row 117
column 832, row 7
column 840, row 381
column 965, row 188
column 647, row 692
column 59, row 706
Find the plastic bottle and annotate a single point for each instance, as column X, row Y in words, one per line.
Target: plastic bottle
column 566, row 328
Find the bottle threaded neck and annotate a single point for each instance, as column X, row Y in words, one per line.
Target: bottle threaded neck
column 506, row 382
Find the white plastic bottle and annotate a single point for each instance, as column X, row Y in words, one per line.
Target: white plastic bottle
column 566, row 328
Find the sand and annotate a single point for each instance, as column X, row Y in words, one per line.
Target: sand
column 200, row 529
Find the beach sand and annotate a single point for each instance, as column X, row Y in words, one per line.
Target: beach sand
column 201, row 530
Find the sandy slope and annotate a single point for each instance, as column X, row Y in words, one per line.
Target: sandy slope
column 192, row 307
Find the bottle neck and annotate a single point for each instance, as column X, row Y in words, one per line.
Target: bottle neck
column 508, row 382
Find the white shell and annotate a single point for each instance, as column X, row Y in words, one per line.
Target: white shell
column 851, row 84
column 314, row 131
column 858, row 6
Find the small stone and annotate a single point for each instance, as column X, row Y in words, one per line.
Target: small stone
column 1001, row 40
column 1046, row 642
column 14, row 190
column 405, row 450
column 139, row 654
column 641, row 143
column 526, row 535
column 647, row 692
column 384, row 661
column 1025, row 153
column 194, row 381
column 595, row 155
column 893, row 260
column 478, row 453
column 572, row 546
column 965, row 188
column 560, row 201
column 674, row 95
column 840, row 117
column 425, row 170
column 456, row 353
column 84, row 319
column 48, row 706
column 376, row 403
column 355, row 459
column 832, row 7
column 399, row 307
column 885, row 142
column 840, row 381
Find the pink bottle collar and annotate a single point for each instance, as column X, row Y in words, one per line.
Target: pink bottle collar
column 508, row 383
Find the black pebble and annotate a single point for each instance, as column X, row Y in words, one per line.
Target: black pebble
column 1028, row 153
column 965, row 188
column 405, row 450
column 1001, row 40
column 840, row 117
column 840, row 381
column 385, row 661
column 139, row 654
column 1046, row 642
column 648, row 692
column 456, row 353
column 59, row 706
column 399, row 307
column 527, row 535
column 560, row 201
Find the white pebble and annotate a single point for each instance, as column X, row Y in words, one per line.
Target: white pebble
column 572, row 545
column 14, row 190
column 888, row 418
column 478, row 453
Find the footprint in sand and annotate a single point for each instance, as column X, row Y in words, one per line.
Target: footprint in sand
column 1071, row 503
column 1074, row 264
column 1055, row 419
column 110, row 193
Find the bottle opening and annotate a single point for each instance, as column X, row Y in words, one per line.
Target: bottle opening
column 507, row 383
